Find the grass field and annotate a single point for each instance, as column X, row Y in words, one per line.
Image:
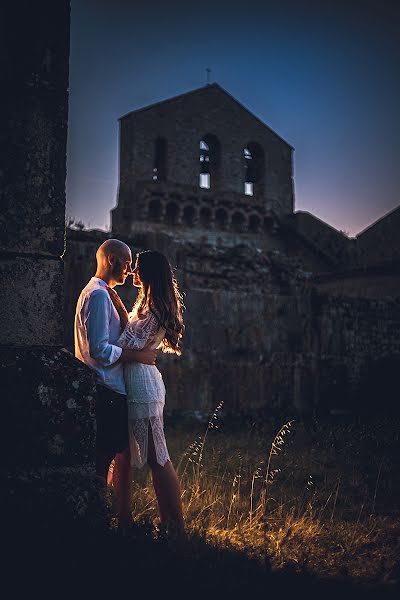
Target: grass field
column 323, row 500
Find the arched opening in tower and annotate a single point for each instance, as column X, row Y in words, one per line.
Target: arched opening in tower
column 210, row 148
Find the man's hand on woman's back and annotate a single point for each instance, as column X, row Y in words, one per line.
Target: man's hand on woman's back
column 146, row 356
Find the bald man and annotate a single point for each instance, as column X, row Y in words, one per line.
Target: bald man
column 99, row 320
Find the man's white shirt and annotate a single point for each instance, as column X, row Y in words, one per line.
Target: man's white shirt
column 97, row 328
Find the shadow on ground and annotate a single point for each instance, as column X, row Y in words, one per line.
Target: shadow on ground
column 91, row 563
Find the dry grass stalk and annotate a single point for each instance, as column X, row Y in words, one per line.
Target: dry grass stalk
column 227, row 498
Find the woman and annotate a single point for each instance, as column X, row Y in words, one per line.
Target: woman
column 155, row 322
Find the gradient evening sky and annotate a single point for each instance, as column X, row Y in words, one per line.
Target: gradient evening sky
column 323, row 74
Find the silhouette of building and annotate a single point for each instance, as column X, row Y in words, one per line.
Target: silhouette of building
column 201, row 168
column 202, row 165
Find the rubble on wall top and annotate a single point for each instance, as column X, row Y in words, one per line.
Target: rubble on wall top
column 242, row 265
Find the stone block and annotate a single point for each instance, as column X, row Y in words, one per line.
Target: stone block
column 34, row 66
column 32, row 301
column 48, row 408
column 56, row 498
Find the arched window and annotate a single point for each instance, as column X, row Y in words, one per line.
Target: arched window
column 155, row 209
column 189, row 214
column 160, row 159
column 221, row 218
column 204, row 165
column 268, row 224
column 171, row 213
column 254, row 167
column 254, row 223
column 205, row 217
column 248, row 185
column 209, row 161
column 238, row 221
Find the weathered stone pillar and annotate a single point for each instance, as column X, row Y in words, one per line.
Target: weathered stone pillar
column 47, row 395
column 34, row 63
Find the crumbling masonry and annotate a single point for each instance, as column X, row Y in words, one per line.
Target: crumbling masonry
column 283, row 311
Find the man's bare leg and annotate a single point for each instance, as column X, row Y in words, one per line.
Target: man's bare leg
column 122, row 482
column 103, row 461
column 110, row 474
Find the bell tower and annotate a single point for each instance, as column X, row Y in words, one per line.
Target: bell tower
column 201, row 167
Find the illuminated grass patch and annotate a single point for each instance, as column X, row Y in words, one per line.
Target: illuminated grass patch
column 325, row 501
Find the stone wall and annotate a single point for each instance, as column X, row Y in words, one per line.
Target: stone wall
column 34, row 67
column 243, row 329
column 357, row 342
column 242, row 320
column 261, row 331
column 49, row 403
column 376, row 282
column 48, row 434
column 193, row 211
column 271, row 295
column 380, row 242
column 335, row 247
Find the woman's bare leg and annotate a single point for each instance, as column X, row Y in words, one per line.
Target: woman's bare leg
column 167, row 489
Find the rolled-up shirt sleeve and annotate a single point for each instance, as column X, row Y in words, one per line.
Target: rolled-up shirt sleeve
column 97, row 317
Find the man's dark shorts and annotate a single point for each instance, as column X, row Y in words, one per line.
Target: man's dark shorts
column 111, row 421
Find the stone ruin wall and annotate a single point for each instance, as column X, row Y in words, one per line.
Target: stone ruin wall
column 267, row 290
column 357, row 345
column 238, row 324
column 260, row 333
column 380, row 242
column 375, row 282
column 335, row 247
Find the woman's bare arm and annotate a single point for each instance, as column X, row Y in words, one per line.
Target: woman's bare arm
column 145, row 356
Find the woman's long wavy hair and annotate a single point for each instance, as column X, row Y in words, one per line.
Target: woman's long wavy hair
column 160, row 294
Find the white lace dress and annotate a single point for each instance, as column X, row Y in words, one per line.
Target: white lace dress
column 145, row 390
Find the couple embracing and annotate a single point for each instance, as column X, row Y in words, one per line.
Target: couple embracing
column 121, row 348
